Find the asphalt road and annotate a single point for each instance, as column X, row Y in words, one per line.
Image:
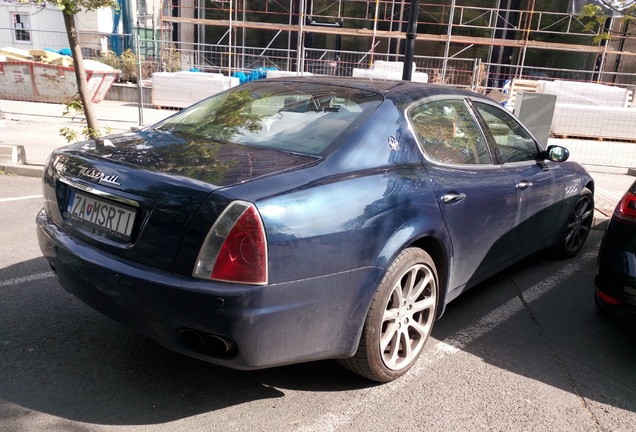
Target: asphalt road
column 524, row 351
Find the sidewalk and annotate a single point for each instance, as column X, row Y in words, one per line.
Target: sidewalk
column 39, row 135
column 39, row 132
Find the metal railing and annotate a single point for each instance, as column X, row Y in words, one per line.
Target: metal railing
column 221, row 58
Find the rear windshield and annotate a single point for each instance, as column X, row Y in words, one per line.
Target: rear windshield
column 305, row 118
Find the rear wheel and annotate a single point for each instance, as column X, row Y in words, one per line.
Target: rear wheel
column 578, row 226
column 399, row 320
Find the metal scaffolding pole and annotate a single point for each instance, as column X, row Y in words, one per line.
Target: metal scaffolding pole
column 289, row 33
column 229, row 45
column 375, row 29
column 449, row 35
column 300, row 57
column 526, row 39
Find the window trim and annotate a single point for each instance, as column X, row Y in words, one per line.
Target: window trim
column 490, row 137
column 26, row 30
column 467, row 102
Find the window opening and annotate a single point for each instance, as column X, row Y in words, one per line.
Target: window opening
column 21, row 27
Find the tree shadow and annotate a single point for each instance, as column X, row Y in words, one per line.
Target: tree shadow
column 62, row 358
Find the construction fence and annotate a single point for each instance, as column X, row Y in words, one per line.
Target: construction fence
column 589, row 104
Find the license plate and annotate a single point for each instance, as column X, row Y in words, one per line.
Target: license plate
column 101, row 215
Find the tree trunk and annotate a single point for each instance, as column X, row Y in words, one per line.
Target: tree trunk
column 80, row 76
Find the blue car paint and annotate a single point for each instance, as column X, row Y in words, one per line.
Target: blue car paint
column 317, row 311
column 378, row 195
column 491, row 203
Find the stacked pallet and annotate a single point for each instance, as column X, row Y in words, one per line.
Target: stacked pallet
column 15, row 53
column 586, row 110
column 49, row 57
column 521, row 86
column 45, row 76
column 388, row 70
column 182, row 89
column 36, row 55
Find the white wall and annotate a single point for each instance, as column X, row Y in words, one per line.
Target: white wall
column 100, row 21
column 92, row 26
column 46, row 26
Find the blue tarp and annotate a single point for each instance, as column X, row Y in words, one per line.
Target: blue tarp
column 256, row 74
column 121, row 42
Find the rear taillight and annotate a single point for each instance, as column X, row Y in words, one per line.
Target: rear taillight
column 607, row 298
column 235, row 249
column 626, row 208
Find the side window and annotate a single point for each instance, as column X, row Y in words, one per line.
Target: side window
column 447, row 132
column 513, row 142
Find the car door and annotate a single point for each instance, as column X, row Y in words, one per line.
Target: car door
column 477, row 197
column 539, row 183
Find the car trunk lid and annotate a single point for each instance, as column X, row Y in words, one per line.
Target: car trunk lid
column 134, row 195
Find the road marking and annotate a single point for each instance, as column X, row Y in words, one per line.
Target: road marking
column 488, row 322
column 25, row 279
column 20, row 198
column 453, row 344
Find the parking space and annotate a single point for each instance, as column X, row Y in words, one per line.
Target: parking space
column 524, row 350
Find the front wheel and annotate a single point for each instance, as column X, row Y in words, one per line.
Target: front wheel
column 399, row 320
column 578, row 226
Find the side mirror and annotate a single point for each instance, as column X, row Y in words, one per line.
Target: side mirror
column 556, row 153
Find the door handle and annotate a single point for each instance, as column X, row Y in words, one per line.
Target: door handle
column 524, row 184
column 453, row 197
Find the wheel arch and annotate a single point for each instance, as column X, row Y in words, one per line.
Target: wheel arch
column 440, row 256
column 434, row 242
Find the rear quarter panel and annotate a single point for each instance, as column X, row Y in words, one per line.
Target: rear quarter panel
column 365, row 207
column 339, row 223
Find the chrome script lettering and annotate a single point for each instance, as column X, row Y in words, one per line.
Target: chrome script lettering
column 94, row 174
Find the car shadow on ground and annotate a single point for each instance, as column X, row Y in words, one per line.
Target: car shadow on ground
column 559, row 338
column 62, row 358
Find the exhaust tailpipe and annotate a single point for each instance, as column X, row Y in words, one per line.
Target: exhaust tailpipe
column 207, row 343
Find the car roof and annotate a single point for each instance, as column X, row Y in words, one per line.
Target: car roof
column 402, row 91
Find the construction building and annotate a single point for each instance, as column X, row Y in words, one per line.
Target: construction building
column 471, row 43
column 476, row 43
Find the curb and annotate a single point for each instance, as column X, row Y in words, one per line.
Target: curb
column 23, row 170
column 600, row 222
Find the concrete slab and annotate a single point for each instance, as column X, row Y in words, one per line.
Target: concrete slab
column 12, row 154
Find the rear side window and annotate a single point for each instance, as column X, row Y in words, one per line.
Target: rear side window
column 448, row 133
column 294, row 117
column 513, row 142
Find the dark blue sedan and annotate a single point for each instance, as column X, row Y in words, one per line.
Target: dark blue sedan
column 291, row 220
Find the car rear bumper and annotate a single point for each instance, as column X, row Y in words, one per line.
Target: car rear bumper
column 616, row 296
column 264, row 326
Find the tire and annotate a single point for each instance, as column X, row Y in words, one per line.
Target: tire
column 400, row 318
column 578, row 226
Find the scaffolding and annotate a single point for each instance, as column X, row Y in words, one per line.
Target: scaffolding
column 317, row 35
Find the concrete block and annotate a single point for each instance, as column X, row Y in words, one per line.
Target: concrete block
column 12, row 154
